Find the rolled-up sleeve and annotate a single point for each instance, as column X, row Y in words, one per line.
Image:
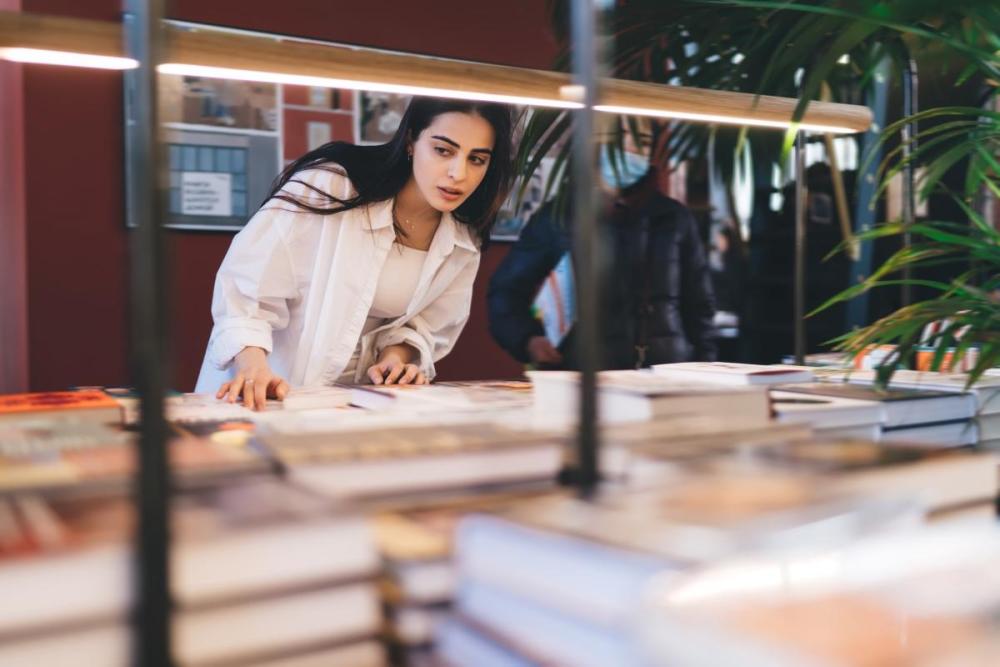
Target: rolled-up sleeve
column 252, row 288
column 434, row 330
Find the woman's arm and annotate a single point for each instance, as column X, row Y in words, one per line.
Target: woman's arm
column 515, row 284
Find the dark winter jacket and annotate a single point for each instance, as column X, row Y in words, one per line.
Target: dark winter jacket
column 680, row 303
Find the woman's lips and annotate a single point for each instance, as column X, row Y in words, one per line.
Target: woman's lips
column 449, row 195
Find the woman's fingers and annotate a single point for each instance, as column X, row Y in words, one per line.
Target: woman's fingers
column 375, row 374
column 223, row 390
column 280, row 389
column 235, row 388
column 421, row 379
column 409, row 375
column 249, row 386
column 260, row 395
column 394, row 374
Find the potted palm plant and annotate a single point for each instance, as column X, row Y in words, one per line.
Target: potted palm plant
column 809, row 48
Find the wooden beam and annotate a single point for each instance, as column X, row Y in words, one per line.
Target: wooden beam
column 358, row 66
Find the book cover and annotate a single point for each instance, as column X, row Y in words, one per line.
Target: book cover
column 88, row 405
column 442, row 396
column 555, row 304
column 863, row 392
column 723, row 372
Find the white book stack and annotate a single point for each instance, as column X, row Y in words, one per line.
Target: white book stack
column 444, row 397
column 731, row 373
column 558, row 581
column 985, row 426
column 923, row 597
column 418, row 573
column 260, row 572
column 635, row 396
column 411, row 459
column 912, row 416
column 829, row 416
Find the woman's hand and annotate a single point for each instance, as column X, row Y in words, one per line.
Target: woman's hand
column 394, row 367
column 254, row 380
column 541, row 351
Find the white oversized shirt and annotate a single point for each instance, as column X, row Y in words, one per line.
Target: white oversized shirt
column 301, row 285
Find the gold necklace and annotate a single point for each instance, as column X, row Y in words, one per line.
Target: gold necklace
column 395, row 218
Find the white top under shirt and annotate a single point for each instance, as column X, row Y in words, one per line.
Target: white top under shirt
column 396, row 286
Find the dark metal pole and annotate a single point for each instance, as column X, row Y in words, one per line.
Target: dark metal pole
column 800, row 248
column 144, row 42
column 909, row 192
column 585, row 238
column 877, row 98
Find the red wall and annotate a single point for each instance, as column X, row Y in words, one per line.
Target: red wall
column 13, row 248
column 76, row 244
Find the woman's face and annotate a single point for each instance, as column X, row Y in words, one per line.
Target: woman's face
column 450, row 158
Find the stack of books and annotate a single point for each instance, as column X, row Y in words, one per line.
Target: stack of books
column 483, row 396
column 923, row 597
column 418, row 571
column 731, row 373
column 829, row 416
column 942, row 482
column 986, row 391
column 417, row 578
column 559, row 580
column 261, row 571
column 935, row 418
column 411, row 459
column 44, row 454
column 90, row 406
column 635, row 396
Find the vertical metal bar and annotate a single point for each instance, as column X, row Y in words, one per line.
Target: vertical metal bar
column 800, row 248
column 909, row 191
column 145, row 195
column 877, row 98
column 585, row 235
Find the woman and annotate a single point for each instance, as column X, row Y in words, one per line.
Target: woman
column 360, row 264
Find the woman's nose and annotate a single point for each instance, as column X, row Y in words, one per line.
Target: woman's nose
column 457, row 169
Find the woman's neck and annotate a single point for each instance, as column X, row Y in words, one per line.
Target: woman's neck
column 411, row 205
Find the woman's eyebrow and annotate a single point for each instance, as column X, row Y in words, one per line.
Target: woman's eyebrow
column 456, row 144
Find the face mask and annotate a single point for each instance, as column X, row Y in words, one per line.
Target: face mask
column 630, row 168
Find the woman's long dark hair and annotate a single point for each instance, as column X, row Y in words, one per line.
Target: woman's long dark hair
column 379, row 172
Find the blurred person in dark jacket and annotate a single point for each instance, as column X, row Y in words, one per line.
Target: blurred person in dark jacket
column 657, row 294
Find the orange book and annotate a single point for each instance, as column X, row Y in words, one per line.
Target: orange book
column 87, row 405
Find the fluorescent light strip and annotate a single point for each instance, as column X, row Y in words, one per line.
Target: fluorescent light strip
column 323, row 82
column 715, row 118
column 67, row 58
column 71, row 59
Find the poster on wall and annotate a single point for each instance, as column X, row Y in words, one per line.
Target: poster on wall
column 514, row 216
column 242, row 105
column 377, row 116
column 222, row 141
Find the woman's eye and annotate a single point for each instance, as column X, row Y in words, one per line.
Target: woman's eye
column 441, row 150
column 478, row 161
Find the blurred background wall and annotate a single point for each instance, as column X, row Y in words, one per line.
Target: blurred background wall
column 63, row 242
